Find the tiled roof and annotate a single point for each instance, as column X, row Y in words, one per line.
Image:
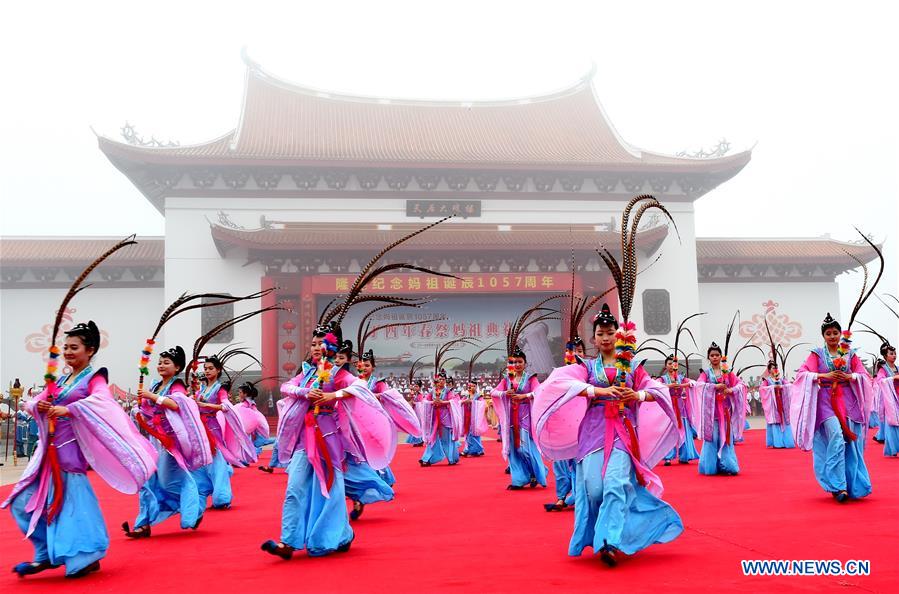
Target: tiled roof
column 68, row 251
column 461, row 237
column 150, row 251
column 286, row 124
column 781, row 251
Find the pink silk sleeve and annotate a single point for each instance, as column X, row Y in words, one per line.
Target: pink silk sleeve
column 810, row 365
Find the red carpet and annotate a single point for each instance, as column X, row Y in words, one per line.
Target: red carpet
column 458, row 529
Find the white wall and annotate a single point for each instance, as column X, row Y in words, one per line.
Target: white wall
column 805, row 303
column 192, row 262
column 193, row 265
column 126, row 315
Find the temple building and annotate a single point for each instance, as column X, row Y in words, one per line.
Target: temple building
column 310, row 184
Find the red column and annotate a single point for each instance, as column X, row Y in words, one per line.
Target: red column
column 307, row 312
column 269, row 334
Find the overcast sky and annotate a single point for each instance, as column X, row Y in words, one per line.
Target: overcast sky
column 813, row 85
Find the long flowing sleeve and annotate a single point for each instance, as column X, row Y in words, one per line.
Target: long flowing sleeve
column 804, row 402
column 365, row 423
column 193, row 449
column 239, row 449
column 110, row 442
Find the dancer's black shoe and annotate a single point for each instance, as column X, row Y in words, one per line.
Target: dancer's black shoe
column 142, row 532
column 609, row 555
column 95, row 566
column 277, row 549
column 358, row 508
column 32, row 567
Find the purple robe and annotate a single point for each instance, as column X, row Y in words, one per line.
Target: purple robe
column 565, row 424
column 97, row 434
column 811, row 403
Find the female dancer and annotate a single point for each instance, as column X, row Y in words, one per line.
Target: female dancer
column 829, row 413
column 254, row 422
column 362, row 483
column 564, row 470
column 80, row 425
column 230, row 443
column 416, row 395
column 679, row 387
column 717, row 406
column 442, row 422
column 320, row 425
column 173, row 420
column 775, row 395
column 474, row 411
column 617, row 506
column 512, row 398
column 886, row 383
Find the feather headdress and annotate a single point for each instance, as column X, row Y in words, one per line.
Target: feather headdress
column 50, row 375
column 440, row 358
column 203, row 340
column 334, row 315
column 624, row 274
column 186, row 302
column 76, row 287
column 366, row 330
column 866, row 292
column 534, row 315
column 728, row 363
column 414, row 368
column 578, row 306
column 476, row 356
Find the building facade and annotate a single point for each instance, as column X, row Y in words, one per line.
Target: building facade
column 310, row 184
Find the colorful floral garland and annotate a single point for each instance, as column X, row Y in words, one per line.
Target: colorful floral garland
column 625, row 349
column 845, row 346
column 145, row 357
column 52, row 367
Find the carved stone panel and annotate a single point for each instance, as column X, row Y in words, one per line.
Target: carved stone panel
column 656, row 311
column 213, row 316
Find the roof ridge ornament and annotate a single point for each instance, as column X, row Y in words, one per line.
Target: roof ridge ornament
column 129, row 133
column 720, row 150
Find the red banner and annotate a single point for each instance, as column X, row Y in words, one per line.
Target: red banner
column 480, row 282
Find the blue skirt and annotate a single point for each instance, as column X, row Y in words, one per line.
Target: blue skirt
column 274, row 462
column 840, row 465
column 890, row 439
column 414, row 440
column 564, row 473
column 687, row 450
column 171, row 490
column 215, row 479
column 77, row 536
column 473, row 445
column 615, row 510
column 260, row 442
column 361, row 483
column 709, row 460
column 779, row 436
column 309, row 519
column 387, row 475
column 874, row 420
column 525, row 462
column 444, row 448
